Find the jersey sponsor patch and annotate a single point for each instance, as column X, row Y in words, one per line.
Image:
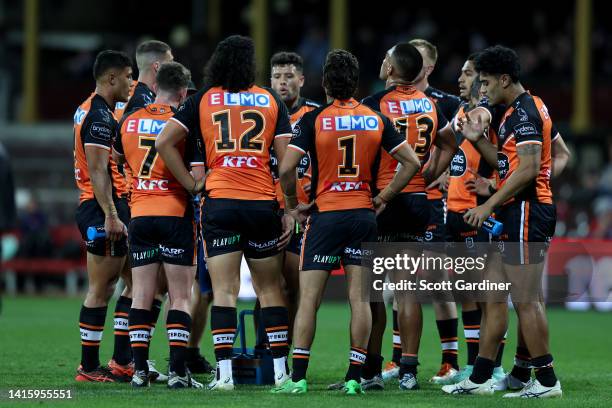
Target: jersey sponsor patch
column 145, row 126
column 350, row 122
column 101, row 131
column 503, row 164
column 239, row 99
column 458, row 165
column 410, row 106
column 79, row 115
column 526, row 129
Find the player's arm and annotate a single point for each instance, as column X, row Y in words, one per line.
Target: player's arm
column 117, row 151
column 560, row 154
column 441, row 157
column 529, row 154
column 473, row 127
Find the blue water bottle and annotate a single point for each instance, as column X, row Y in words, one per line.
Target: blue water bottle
column 95, row 233
column 492, row 226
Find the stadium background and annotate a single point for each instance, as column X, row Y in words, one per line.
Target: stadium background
column 47, row 50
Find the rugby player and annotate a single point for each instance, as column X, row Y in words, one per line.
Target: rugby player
column 102, row 204
column 161, row 229
column 524, row 204
column 405, row 219
column 343, row 139
column 287, row 79
column 149, row 56
column 238, row 122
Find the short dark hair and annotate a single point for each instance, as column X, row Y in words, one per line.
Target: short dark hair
column 173, row 77
column 110, row 59
column 430, row 49
column 232, row 65
column 472, row 57
column 499, row 60
column 475, row 89
column 152, row 47
column 341, row 74
column 287, row 58
column 408, row 60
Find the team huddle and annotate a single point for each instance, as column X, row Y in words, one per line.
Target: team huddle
column 295, row 187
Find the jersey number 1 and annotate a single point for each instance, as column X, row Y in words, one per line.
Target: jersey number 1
column 348, row 168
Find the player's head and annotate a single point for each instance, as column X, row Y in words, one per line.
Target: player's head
column 340, row 74
column 232, row 65
column 468, row 75
column 151, row 54
column 499, row 68
column 287, row 77
column 172, row 81
column 429, row 53
column 112, row 71
column 403, row 61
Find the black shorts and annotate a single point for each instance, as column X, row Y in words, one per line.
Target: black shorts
column 295, row 242
column 251, row 226
column 162, row 239
column 457, row 230
column 90, row 214
column 437, row 219
column 335, row 237
column 404, row 219
column 528, row 227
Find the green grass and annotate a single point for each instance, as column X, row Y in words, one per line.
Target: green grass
column 39, row 348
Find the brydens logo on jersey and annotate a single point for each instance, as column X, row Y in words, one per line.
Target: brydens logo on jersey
column 145, row 126
column 349, row 122
column 458, row 165
column 239, row 99
column 410, row 106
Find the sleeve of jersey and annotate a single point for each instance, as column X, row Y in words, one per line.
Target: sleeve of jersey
column 554, row 133
column 527, row 130
column 303, row 134
column 442, row 120
column 99, row 130
column 283, row 126
column 117, row 144
column 188, row 115
column 194, row 152
column 371, row 103
column 391, row 139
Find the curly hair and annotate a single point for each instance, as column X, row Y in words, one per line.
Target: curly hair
column 341, row 74
column 232, row 65
column 287, row 58
column 499, row 60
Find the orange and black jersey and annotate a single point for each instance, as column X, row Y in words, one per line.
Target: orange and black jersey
column 155, row 191
column 303, row 170
column 140, row 96
column 344, row 140
column 526, row 121
column 238, row 131
column 94, row 125
column 466, row 160
column 417, row 117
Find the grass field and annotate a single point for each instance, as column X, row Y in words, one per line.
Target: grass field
column 39, row 349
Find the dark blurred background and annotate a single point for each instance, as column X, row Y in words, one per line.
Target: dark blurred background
column 47, row 49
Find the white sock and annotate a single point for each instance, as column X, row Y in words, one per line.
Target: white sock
column 280, row 366
column 225, row 368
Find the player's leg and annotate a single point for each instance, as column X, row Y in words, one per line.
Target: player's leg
column 121, row 364
column 291, row 275
column 201, row 299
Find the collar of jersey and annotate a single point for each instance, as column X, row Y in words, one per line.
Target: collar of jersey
column 345, row 104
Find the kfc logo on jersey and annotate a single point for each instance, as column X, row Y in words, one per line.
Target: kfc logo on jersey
column 239, row 99
column 145, row 126
column 340, row 186
column 152, row 185
column 240, row 162
column 349, row 122
column 410, row 107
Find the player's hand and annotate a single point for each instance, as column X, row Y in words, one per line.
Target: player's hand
column 288, row 223
column 301, row 213
column 471, row 129
column 478, row 185
column 441, row 183
column 115, row 229
column 379, row 204
column 306, row 188
column 476, row 216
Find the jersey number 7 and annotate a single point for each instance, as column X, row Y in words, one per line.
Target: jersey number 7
column 147, row 143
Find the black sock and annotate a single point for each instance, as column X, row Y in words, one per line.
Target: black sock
column 178, row 325
column 483, row 370
column 357, row 357
column 155, row 311
column 223, row 324
column 122, row 353
column 372, row 366
column 397, row 343
column 192, row 353
column 408, row 365
column 91, row 325
column 276, row 323
column 522, row 364
column 447, row 329
column 471, row 331
column 500, row 352
column 300, row 364
column 140, row 320
column 544, row 371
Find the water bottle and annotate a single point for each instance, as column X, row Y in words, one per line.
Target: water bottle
column 95, row 233
column 492, row 226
